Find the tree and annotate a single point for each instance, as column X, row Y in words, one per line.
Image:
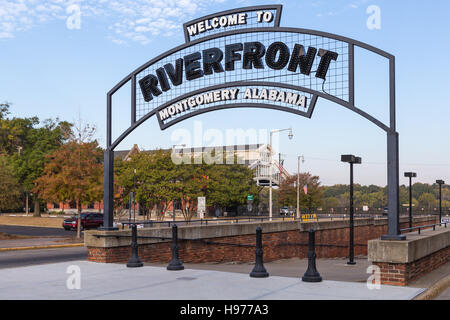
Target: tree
column 159, row 181
column 74, row 171
column 288, row 192
column 228, row 185
column 10, row 190
column 27, row 146
column 329, row 203
column 427, row 201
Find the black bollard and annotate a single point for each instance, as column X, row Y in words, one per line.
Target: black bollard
column 259, row 271
column 134, row 260
column 311, row 274
column 175, row 263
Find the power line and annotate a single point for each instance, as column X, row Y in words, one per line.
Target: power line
column 373, row 162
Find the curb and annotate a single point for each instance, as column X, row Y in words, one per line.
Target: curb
column 435, row 290
column 26, row 225
column 44, row 247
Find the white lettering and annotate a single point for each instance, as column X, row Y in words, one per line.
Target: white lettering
column 301, row 102
column 248, row 93
column 273, row 95
column 291, row 98
column 164, row 114
column 242, row 18
column 223, row 21
column 192, row 30
column 215, row 22
column 233, row 19
column 259, row 15
column 201, row 27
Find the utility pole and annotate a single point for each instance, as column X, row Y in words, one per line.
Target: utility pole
column 279, row 167
column 298, row 186
column 270, row 167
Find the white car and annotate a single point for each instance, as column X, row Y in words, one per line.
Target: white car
column 284, row 211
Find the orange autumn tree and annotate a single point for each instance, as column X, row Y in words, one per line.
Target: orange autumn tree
column 73, row 172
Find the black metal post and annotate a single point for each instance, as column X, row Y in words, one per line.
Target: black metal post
column 259, row 271
column 108, row 202
column 440, row 183
column 393, row 188
column 134, row 260
column 440, row 203
column 175, row 263
column 410, row 175
column 351, row 246
column 134, row 198
column 311, row 274
column 131, row 206
column 410, row 202
column 173, row 207
column 352, row 160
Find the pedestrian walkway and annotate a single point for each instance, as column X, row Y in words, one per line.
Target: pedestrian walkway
column 116, row 281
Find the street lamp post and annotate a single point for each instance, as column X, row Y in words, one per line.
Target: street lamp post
column 351, row 159
column 173, row 200
column 440, row 183
column 270, row 171
column 410, row 175
column 298, row 186
column 134, row 196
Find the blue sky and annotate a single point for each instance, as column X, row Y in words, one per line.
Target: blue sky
column 51, row 69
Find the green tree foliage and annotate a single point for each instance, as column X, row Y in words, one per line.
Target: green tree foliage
column 159, row 181
column 424, row 195
column 228, row 185
column 427, row 201
column 74, row 171
column 153, row 184
column 26, row 142
column 287, row 193
column 10, row 189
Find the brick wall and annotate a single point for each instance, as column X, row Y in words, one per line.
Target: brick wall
column 400, row 274
column 331, row 242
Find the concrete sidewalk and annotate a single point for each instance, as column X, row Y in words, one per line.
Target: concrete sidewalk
column 116, row 281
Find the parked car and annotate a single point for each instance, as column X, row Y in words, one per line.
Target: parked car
column 385, row 211
column 88, row 220
column 284, row 211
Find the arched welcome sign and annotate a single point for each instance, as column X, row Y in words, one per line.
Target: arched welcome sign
column 243, row 58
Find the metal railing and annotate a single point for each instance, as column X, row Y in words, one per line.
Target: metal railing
column 320, row 217
column 418, row 228
column 201, row 221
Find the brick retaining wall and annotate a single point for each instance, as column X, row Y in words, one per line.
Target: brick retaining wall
column 400, row 274
column 281, row 240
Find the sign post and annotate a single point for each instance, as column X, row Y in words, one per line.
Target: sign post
column 243, row 58
column 201, row 207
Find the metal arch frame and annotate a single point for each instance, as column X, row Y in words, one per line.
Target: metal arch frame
column 392, row 135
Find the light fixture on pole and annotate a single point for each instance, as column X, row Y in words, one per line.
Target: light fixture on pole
column 351, row 159
column 298, row 185
column 173, row 200
column 410, row 175
column 440, row 183
column 290, row 135
column 134, row 198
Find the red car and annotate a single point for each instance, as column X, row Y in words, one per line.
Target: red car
column 88, row 220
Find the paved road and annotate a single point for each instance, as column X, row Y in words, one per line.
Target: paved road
column 22, row 258
column 37, row 231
